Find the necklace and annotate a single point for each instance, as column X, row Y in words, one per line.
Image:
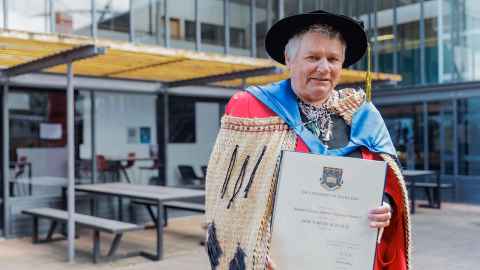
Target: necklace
column 319, row 120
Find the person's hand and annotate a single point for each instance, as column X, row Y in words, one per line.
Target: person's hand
column 380, row 218
column 270, row 264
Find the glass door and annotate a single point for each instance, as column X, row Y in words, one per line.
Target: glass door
column 440, row 134
column 405, row 125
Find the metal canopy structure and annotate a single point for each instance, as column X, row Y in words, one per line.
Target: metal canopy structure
column 173, row 67
column 67, row 57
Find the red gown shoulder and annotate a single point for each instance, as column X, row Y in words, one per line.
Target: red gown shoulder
column 244, row 104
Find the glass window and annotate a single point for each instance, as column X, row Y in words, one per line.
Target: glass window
column 182, row 119
column 310, row 5
column 385, row 37
column 73, row 17
column 468, row 134
column 38, row 143
column 266, row 15
column 385, row 4
column 29, row 15
column 148, row 21
column 126, row 137
column 190, row 31
column 405, row 125
column 212, row 34
column 409, row 43
column 212, row 25
column 440, row 134
column 113, row 19
column 405, row 2
column 1, row 14
column 240, row 33
column 178, row 22
column 460, row 40
column 361, row 7
column 431, row 46
column 291, row 7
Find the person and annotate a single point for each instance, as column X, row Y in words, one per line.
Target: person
column 305, row 113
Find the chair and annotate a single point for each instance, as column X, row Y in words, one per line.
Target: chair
column 104, row 167
column 204, row 171
column 128, row 165
column 156, row 165
column 189, row 177
column 19, row 170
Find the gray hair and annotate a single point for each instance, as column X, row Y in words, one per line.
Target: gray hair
column 327, row 30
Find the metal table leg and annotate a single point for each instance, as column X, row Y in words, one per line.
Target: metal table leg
column 159, row 231
column 412, row 197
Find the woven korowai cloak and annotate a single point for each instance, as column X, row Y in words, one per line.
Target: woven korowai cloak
column 240, row 190
column 241, row 185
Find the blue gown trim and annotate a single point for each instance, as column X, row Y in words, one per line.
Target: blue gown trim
column 367, row 130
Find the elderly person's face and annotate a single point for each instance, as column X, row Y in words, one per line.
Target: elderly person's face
column 315, row 68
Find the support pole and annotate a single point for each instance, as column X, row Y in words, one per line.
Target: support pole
column 52, row 16
column 94, row 171
column 94, row 19
column 71, row 163
column 423, row 76
column 166, row 25
column 281, row 9
column 226, row 27
column 5, row 14
column 166, row 132
column 6, row 162
column 131, row 25
column 426, row 154
column 253, row 29
column 198, row 30
column 269, row 14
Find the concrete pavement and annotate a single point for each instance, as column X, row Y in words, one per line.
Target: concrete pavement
column 446, row 239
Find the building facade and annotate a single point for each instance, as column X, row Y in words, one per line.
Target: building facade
column 431, row 114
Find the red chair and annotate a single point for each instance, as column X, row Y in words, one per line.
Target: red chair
column 104, row 167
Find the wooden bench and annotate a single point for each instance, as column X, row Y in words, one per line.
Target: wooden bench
column 432, row 191
column 180, row 205
column 97, row 224
column 432, row 188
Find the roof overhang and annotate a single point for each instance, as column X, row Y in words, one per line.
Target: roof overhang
column 122, row 60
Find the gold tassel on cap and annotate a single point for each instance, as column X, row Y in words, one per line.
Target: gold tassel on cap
column 368, row 77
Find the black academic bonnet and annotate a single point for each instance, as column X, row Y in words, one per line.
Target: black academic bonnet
column 351, row 30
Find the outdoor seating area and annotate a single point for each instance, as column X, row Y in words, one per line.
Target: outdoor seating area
column 190, row 179
column 96, row 224
column 430, row 183
column 161, row 198
column 181, row 240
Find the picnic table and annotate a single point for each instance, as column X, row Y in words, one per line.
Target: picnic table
column 432, row 188
column 158, row 194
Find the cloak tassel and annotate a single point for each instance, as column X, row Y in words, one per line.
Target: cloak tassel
column 213, row 247
column 238, row 261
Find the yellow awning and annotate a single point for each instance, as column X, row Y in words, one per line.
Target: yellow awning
column 142, row 62
column 349, row 76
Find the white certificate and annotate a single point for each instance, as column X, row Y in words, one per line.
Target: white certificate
column 320, row 218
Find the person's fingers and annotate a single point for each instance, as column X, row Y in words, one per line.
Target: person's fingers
column 270, row 264
column 381, row 210
column 379, row 224
column 380, row 217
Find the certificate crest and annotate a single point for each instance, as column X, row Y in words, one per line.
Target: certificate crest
column 332, row 178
